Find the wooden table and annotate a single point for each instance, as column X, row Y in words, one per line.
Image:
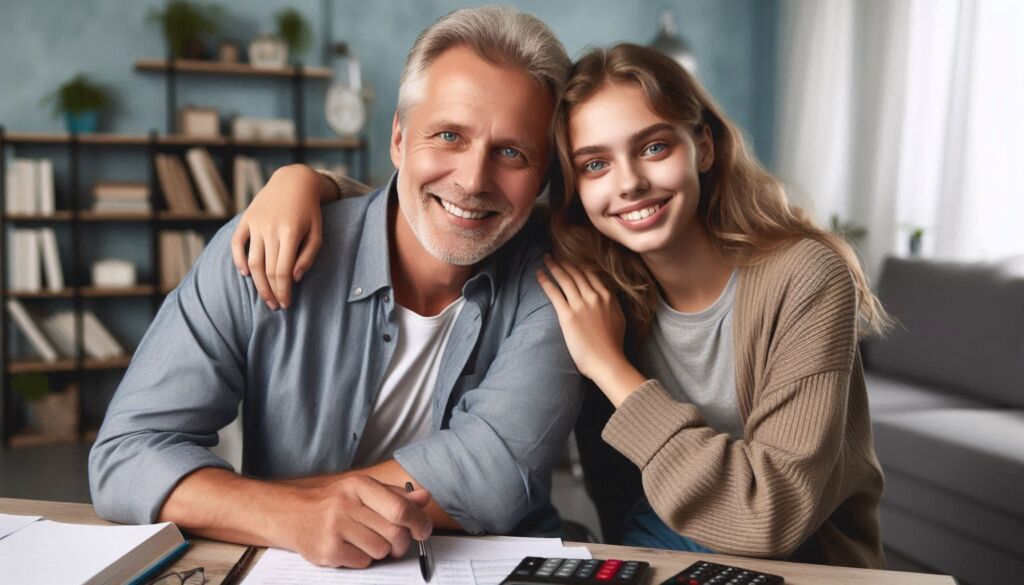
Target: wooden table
column 217, row 557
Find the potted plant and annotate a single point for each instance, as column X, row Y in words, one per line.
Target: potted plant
column 186, row 26
column 293, row 29
column 51, row 414
column 80, row 100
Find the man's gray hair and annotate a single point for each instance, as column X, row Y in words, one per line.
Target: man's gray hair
column 500, row 35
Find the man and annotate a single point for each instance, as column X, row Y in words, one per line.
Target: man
column 419, row 348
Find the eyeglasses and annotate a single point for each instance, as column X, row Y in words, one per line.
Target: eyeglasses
column 194, row 576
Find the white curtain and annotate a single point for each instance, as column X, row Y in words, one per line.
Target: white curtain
column 905, row 114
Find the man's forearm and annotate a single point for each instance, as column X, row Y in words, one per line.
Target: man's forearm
column 388, row 472
column 222, row 505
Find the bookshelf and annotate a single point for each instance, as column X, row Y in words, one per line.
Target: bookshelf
column 77, row 221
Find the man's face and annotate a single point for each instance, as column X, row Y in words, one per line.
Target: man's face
column 471, row 155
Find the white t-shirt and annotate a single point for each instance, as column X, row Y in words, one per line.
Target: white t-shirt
column 402, row 412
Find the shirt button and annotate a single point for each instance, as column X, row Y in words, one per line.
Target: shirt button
column 358, row 291
column 387, row 299
column 387, row 337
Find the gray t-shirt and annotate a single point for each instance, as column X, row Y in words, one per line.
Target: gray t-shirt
column 691, row 354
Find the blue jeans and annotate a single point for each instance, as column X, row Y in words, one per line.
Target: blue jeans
column 642, row 527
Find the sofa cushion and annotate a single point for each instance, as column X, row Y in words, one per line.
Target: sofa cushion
column 887, row 394
column 974, row 453
column 962, row 329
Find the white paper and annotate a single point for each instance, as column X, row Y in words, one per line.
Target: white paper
column 28, row 557
column 457, row 561
column 9, row 523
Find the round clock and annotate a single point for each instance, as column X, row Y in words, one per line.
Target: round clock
column 345, row 110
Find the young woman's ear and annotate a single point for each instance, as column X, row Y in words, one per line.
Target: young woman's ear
column 705, row 148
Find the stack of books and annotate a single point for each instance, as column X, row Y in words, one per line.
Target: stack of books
column 29, row 187
column 179, row 250
column 177, row 187
column 57, row 338
column 33, row 253
column 115, row 197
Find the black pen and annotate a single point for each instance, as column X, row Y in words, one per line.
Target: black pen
column 424, row 563
column 236, row 571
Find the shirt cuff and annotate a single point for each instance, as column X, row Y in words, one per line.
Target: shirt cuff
column 164, row 472
column 646, row 420
column 430, row 472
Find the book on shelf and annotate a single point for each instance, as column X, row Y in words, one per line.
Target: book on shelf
column 114, row 273
column 248, row 181
column 211, row 186
column 174, row 183
column 32, row 251
column 100, row 344
column 179, row 250
column 33, row 333
column 121, row 197
column 89, row 554
column 47, row 238
column 29, row 187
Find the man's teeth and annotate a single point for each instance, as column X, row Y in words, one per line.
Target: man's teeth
column 639, row 214
column 463, row 213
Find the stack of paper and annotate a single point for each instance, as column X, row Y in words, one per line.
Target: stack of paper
column 457, row 561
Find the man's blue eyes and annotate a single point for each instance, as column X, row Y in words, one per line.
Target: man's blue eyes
column 506, row 152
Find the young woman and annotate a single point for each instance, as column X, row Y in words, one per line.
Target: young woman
column 743, row 405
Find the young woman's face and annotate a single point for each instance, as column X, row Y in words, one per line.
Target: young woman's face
column 637, row 173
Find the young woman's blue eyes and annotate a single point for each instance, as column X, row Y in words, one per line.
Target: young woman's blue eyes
column 656, row 148
column 595, row 166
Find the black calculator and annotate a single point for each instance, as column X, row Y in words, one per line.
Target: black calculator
column 533, row 570
column 705, row 573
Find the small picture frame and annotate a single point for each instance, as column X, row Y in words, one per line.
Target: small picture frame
column 229, row 52
column 199, row 122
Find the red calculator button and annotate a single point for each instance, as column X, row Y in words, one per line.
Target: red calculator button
column 602, row 576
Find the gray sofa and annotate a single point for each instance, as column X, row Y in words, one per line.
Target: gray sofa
column 946, row 390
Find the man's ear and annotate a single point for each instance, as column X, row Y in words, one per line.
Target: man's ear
column 396, row 142
column 705, row 149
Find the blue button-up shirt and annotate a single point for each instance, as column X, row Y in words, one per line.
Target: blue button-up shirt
column 506, row 397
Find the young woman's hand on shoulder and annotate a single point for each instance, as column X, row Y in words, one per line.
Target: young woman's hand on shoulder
column 593, row 325
column 283, row 227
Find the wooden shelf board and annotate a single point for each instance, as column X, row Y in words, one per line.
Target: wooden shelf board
column 66, row 293
column 61, row 215
column 38, row 439
column 64, row 138
column 89, row 292
column 96, row 292
column 180, row 140
column 90, row 215
column 219, row 68
column 178, row 216
column 66, row 365
column 39, row 366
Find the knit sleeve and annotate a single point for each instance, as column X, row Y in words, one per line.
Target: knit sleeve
column 765, row 494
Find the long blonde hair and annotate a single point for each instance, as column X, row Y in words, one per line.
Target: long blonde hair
column 742, row 206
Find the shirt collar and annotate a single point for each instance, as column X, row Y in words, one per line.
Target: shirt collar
column 373, row 263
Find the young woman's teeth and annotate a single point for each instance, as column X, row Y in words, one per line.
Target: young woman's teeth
column 460, row 212
column 639, row 214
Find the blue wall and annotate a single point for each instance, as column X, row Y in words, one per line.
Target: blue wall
column 44, row 43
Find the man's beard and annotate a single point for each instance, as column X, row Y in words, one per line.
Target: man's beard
column 453, row 244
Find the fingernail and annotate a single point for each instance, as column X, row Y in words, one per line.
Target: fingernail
column 284, row 305
column 298, row 275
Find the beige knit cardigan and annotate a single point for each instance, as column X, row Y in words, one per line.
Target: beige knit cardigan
column 804, row 482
